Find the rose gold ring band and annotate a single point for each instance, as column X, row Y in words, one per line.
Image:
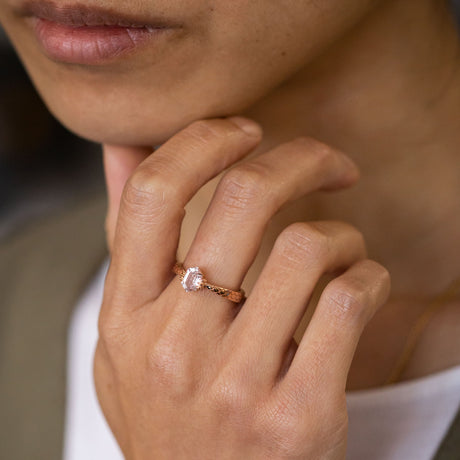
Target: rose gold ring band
column 192, row 279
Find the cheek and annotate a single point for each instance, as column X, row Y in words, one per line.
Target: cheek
column 264, row 31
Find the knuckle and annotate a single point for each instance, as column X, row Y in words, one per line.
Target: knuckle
column 146, row 196
column 349, row 299
column 168, row 367
column 243, row 187
column 302, row 243
column 230, row 398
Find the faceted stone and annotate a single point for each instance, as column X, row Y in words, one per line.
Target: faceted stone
column 192, row 279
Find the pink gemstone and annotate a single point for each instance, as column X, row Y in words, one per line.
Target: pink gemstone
column 192, row 279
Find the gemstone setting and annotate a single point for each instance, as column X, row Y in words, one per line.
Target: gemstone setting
column 192, row 280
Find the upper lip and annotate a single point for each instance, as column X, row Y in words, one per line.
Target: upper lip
column 79, row 15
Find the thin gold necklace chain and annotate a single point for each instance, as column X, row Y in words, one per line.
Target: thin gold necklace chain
column 433, row 306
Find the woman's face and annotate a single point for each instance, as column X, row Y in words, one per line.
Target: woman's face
column 216, row 58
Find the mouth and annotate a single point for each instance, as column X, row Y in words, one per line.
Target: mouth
column 79, row 34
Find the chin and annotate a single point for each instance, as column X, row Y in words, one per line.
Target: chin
column 132, row 128
column 129, row 123
column 108, row 131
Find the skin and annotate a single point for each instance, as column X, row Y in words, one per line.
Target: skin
column 345, row 73
column 240, row 384
column 108, row 104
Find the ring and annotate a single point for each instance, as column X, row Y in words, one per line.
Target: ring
column 192, row 279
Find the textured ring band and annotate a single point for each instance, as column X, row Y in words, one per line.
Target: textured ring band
column 192, row 279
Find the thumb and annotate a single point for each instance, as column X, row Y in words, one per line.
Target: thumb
column 119, row 164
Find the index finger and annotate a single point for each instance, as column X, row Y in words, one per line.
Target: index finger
column 152, row 204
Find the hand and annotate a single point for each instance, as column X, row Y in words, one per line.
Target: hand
column 193, row 376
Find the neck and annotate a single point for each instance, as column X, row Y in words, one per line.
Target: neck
column 389, row 96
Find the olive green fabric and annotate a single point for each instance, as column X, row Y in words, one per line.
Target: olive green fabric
column 43, row 271
column 450, row 447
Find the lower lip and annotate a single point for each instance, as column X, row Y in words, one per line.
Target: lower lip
column 91, row 45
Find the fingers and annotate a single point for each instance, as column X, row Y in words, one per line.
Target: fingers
column 326, row 350
column 153, row 200
column 119, row 164
column 250, row 194
column 302, row 253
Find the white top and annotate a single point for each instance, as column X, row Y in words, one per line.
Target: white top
column 87, row 435
column 405, row 421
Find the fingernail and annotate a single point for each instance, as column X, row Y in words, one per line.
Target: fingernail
column 248, row 126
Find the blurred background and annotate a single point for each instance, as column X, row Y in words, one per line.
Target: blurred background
column 43, row 167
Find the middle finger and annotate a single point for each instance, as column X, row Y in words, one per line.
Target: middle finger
column 248, row 196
